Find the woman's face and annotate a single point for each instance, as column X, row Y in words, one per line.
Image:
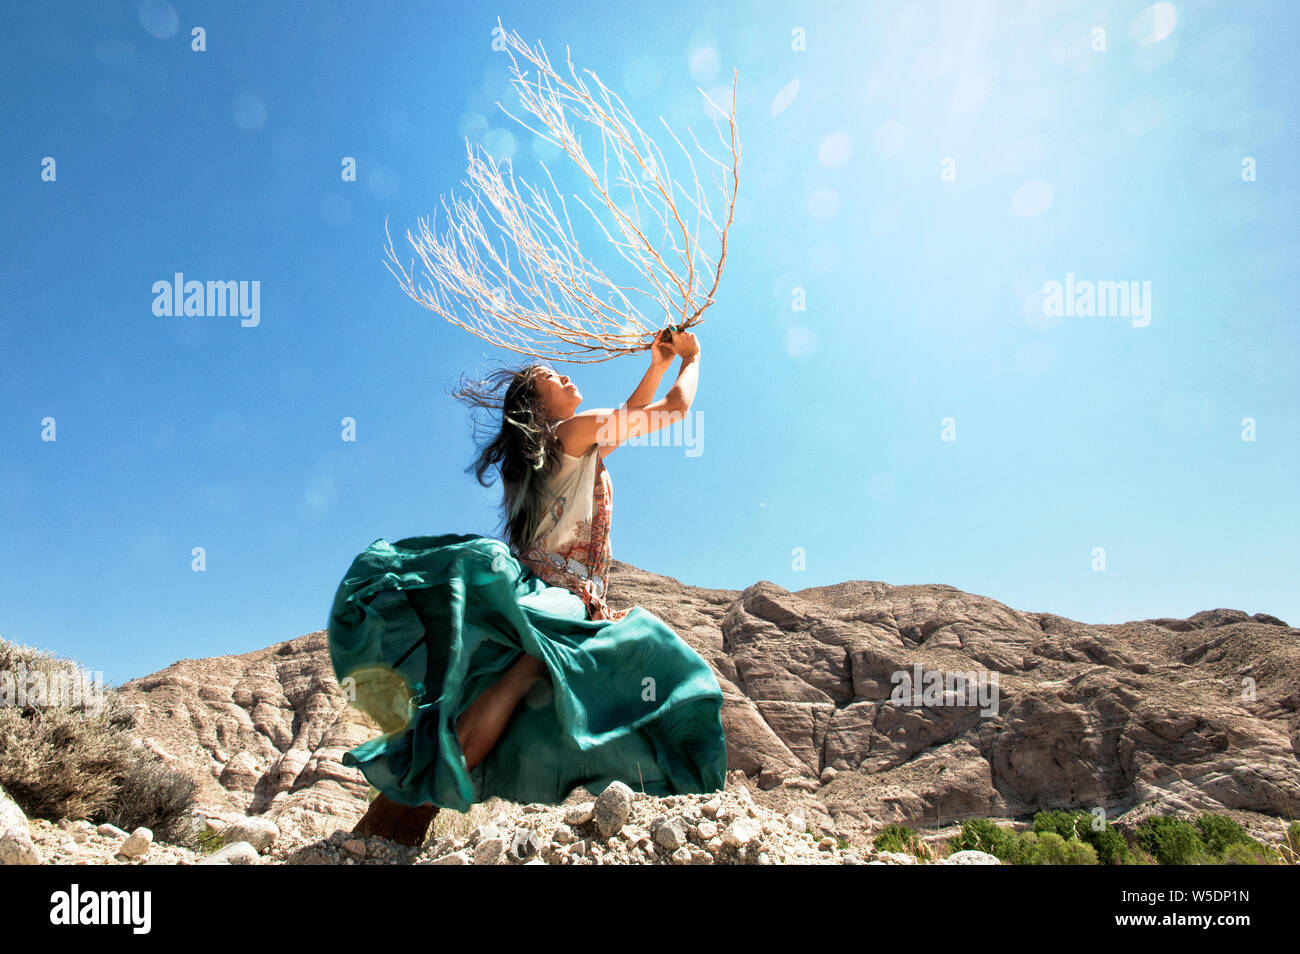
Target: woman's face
column 560, row 395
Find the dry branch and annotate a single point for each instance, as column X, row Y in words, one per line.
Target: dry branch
column 509, row 269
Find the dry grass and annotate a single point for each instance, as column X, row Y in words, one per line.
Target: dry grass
column 69, row 761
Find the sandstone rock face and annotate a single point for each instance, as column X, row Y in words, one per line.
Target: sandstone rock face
column 1199, row 714
column 263, row 733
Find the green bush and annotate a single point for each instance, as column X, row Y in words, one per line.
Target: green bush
column 1220, row 831
column 1250, row 853
column 900, row 838
column 1107, row 844
column 70, row 762
column 981, row 834
column 1060, row 823
column 1069, row 838
column 1172, row 841
column 1049, row 848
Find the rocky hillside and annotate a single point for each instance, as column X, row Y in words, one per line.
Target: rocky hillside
column 1129, row 717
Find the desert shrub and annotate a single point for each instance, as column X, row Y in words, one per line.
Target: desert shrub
column 981, row 834
column 1250, row 853
column 1172, row 841
column 1060, row 823
column 1078, row 852
column 900, row 838
column 1220, row 831
column 152, row 795
column 1049, row 848
column 69, row 761
column 1108, row 844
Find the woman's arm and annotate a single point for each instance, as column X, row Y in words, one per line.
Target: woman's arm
column 611, row 427
column 661, row 356
column 682, row 393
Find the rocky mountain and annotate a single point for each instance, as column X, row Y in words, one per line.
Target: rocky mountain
column 1163, row 714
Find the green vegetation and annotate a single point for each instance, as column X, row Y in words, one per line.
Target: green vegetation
column 210, row 841
column 981, row 834
column 900, row 838
column 1212, row 839
column 1081, row 838
column 1057, row 838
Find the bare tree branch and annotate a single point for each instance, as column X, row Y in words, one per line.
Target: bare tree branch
column 538, row 294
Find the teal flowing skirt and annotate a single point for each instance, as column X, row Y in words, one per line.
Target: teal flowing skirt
column 420, row 627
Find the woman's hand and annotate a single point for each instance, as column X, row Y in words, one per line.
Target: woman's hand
column 661, row 352
column 684, row 344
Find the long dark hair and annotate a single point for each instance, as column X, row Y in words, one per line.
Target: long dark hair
column 522, row 442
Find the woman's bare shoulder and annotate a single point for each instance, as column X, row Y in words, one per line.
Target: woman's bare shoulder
column 579, row 433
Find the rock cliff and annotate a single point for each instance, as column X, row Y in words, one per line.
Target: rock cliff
column 1196, row 714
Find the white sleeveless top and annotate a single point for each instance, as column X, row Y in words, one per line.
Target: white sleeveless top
column 570, row 546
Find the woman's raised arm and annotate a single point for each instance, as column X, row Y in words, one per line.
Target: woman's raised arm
column 612, row 427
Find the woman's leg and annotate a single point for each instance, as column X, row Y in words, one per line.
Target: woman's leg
column 478, row 729
column 481, row 724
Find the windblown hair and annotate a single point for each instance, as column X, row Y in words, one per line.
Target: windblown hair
column 524, row 447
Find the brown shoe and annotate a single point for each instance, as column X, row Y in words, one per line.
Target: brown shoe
column 404, row 824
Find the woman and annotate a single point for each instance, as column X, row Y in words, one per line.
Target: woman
column 500, row 670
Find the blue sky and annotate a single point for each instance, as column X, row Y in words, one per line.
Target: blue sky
column 822, row 425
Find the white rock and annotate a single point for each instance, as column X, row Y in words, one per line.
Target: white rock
column 17, row 848
column 484, row 832
column 971, row 858
column 441, row 846
column 16, row 845
column 489, row 851
column 579, row 814
column 740, row 833
column 455, row 858
column 240, row 853
column 137, row 843
column 259, row 832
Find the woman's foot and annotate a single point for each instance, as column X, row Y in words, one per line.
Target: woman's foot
column 404, row 824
